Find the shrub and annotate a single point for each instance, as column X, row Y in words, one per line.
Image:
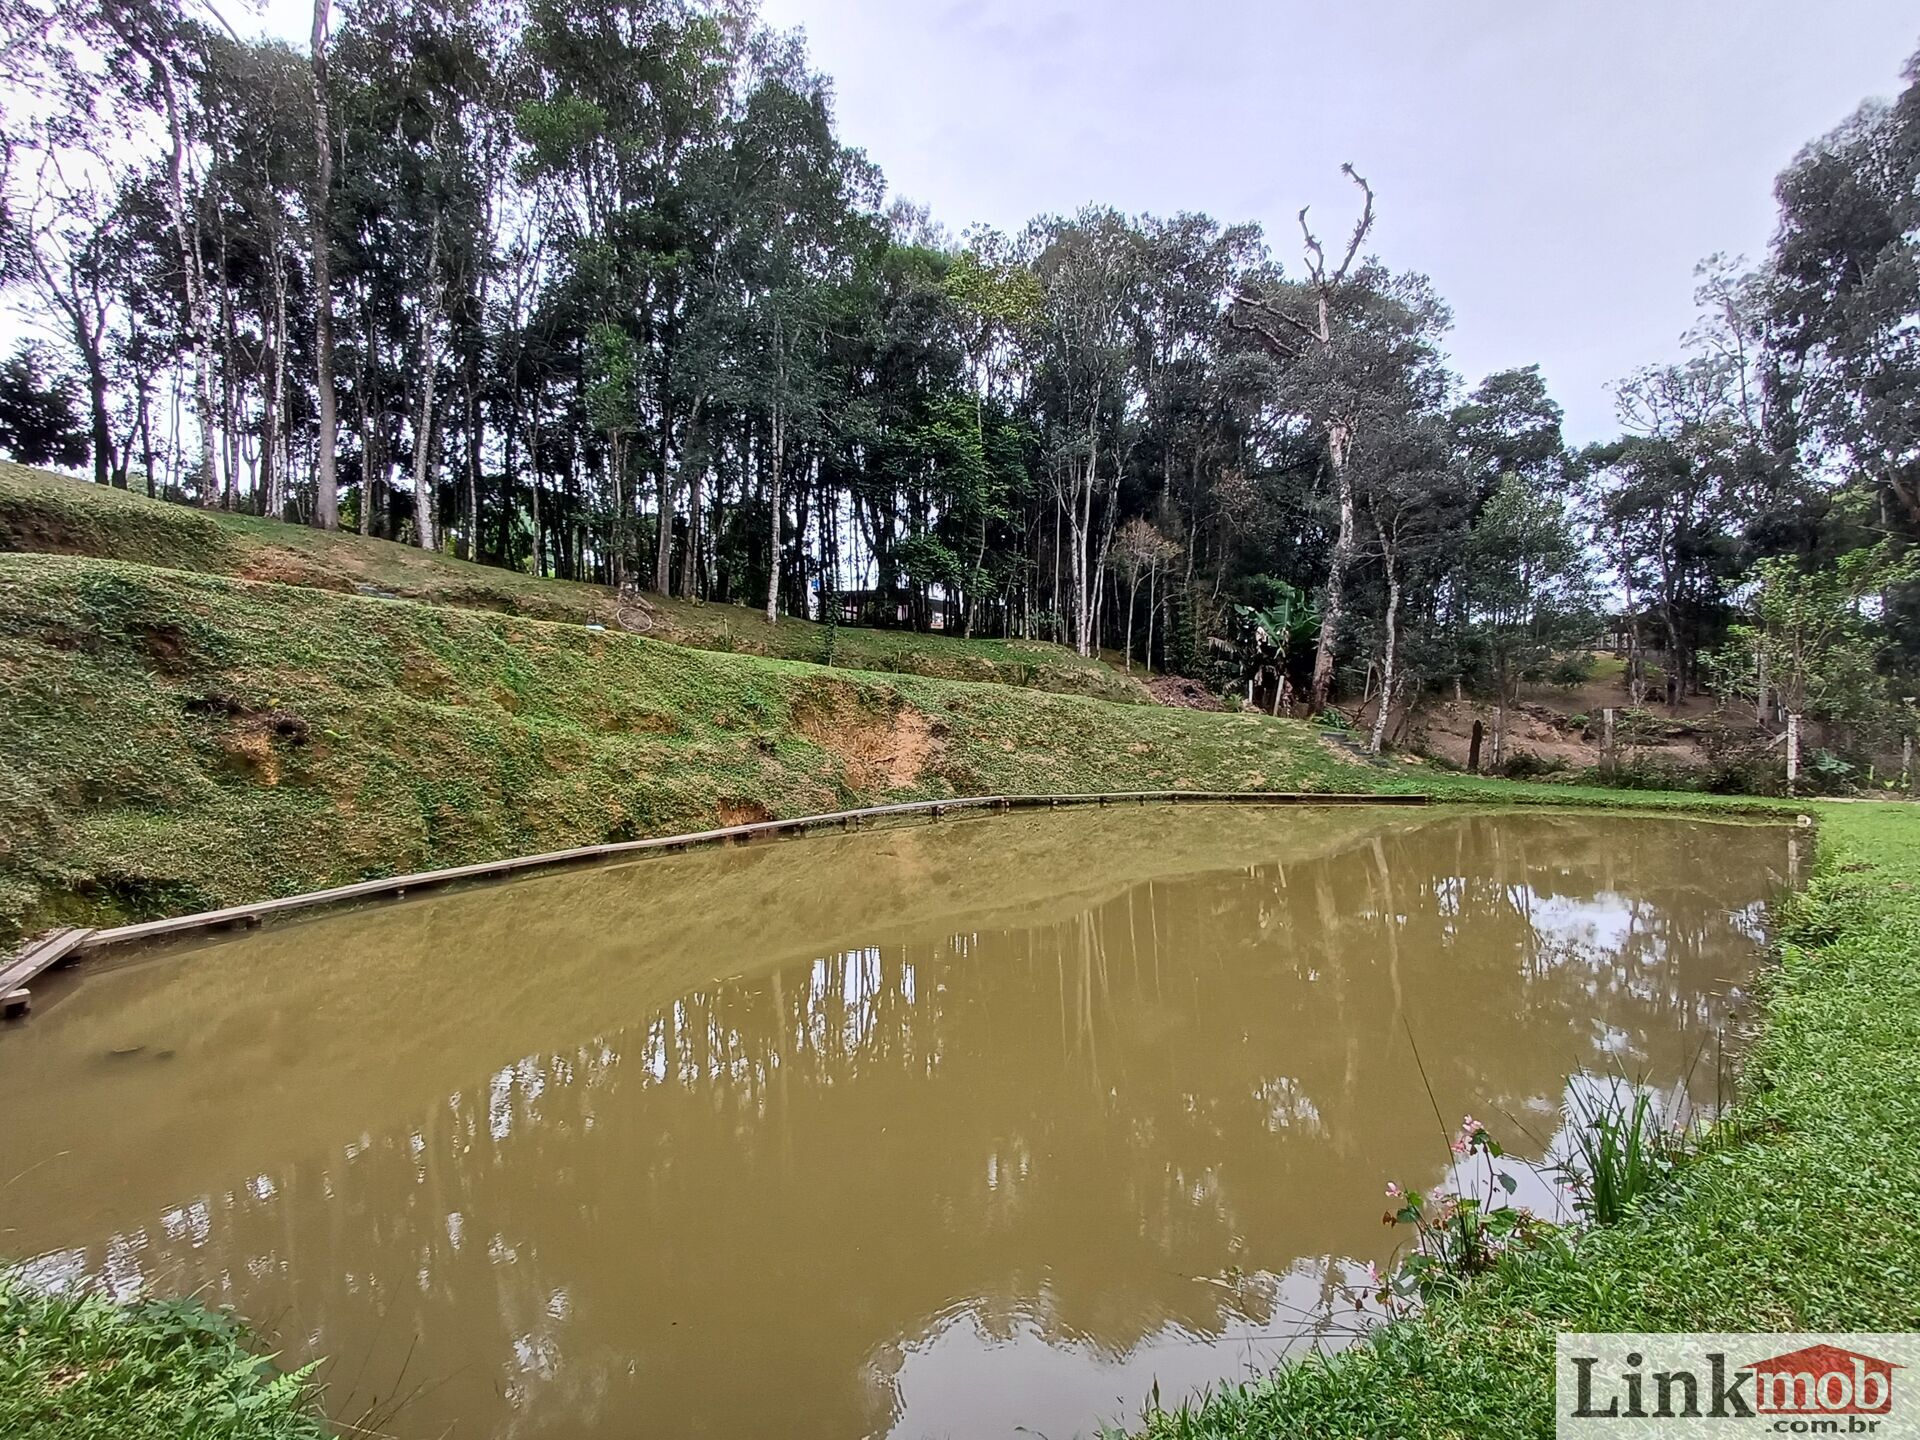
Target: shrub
column 1570, row 670
column 1526, row 765
column 1620, row 1152
column 1455, row 1236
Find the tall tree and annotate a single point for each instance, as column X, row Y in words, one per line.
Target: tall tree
column 326, row 503
column 1306, row 324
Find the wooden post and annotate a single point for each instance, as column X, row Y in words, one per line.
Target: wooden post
column 1906, row 764
column 1793, row 750
column 1608, row 759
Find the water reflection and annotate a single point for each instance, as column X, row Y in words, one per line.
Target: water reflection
column 941, row 1130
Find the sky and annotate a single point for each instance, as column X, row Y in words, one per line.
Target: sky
column 1557, row 167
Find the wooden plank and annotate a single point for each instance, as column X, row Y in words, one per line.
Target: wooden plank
column 26, row 967
column 399, row 885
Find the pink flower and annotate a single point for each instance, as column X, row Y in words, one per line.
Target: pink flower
column 1393, row 1191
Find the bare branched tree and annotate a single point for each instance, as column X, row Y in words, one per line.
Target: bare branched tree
column 1278, row 323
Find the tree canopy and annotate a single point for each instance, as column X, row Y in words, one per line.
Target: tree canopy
column 600, row 292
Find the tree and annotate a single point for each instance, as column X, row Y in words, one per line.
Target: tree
column 1813, row 637
column 1305, row 326
column 1139, row 549
column 326, row 505
column 38, row 421
column 1089, row 270
column 1843, row 299
column 1532, row 587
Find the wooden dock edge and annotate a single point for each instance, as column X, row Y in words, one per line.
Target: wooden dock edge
column 40, row 956
column 92, row 942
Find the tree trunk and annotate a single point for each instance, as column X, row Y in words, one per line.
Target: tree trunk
column 1389, row 656
column 533, row 454
column 192, row 279
column 1338, row 439
column 423, row 497
column 278, row 456
column 326, row 501
column 690, row 556
column 98, row 424
column 773, row 512
column 1153, row 608
column 1133, row 596
column 663, row 538
column 473, row 439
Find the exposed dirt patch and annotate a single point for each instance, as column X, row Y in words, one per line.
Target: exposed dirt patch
column 1571, row 738
column 883, row 748
column 254, row 741
column 425, row 679
column 1184, row 694
column 166, row 647
column 252, row 752
column 283, row 566
column 742, row 812
column 257, row 742
column 70, row 639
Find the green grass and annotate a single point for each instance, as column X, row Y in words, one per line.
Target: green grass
column 1799, row 1218
column 83, row 1368
column 174, row 741
column 45, row 513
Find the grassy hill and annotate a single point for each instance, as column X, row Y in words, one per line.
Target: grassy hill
column 176, row 740
column 41, row 512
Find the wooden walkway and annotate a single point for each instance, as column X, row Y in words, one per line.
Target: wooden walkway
column 40, row 956
column 64, row 944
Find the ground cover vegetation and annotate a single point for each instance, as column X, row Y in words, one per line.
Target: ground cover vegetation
column 600, row 293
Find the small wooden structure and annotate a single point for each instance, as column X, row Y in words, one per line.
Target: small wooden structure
column 40, row 956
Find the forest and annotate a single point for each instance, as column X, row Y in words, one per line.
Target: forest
column 599, row 292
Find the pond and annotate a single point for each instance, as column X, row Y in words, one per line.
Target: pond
column 947, row 1128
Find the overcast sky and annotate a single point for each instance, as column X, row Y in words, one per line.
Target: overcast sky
column 1557, row 166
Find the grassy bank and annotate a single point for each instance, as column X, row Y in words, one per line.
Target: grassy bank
column 45, row 513
column 174, row 741
column 83, row 1368
column 1802, row 1221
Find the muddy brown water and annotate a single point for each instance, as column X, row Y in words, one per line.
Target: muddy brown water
column 944, row 1129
